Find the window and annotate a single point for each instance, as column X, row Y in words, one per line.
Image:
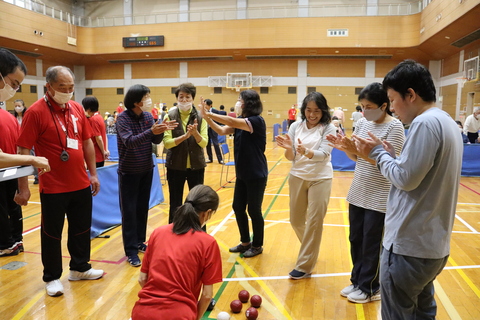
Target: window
column 292, row 90
column 358, row 90
column 217, row 90
column 311, row 89
column 33, row 89
column 120, row 91
column 264, row 90
column 173, row 90
column 89, row 92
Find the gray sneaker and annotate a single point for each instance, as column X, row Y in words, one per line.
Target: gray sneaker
column 362, row 297
column 347, row 290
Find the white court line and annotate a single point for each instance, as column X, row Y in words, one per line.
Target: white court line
column 34, row 202
column 469, row 204
column 327, row 275
column 220, row 225
column 466, row 224
column 30, row 231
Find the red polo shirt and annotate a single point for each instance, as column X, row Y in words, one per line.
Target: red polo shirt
column 119, row 110
column 42, row 129
column 155, row 113
column 9, row 130
column 98, row 129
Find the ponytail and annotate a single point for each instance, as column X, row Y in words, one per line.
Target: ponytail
column 200, row 199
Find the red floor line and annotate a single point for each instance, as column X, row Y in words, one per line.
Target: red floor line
column 93, row 260
column 470, row 189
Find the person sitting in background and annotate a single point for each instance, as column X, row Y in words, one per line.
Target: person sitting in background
column 472, row 125
column 464, row 137
column 232, row 113
column 181, row 262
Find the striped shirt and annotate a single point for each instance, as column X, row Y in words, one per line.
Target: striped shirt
column 369, row 189
column 134, row 141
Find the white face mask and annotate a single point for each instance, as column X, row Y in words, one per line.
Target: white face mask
column 19, row 109
column 7, row 92
column 62, row 98
column 372, row 114
column 147, row 104
column 184, row 106
column 238, row 107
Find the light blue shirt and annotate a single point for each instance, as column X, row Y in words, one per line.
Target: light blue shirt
column 425, row 178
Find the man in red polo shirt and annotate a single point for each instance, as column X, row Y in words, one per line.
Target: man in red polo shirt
column 100, row 143
column 58, row 129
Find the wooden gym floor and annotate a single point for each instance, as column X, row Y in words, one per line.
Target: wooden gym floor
column 112, row 297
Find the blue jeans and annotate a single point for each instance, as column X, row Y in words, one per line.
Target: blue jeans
column 406, row 285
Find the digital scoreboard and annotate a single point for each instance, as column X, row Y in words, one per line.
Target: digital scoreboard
column 150, row 41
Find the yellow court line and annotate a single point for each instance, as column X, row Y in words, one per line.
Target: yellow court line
column 262, row 284
column 358, row 306
column 447, row 303
column 465, row 277
column 29, row 305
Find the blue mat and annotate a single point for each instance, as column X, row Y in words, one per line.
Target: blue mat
column 106, row 208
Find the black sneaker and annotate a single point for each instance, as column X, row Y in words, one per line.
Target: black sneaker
column 252, row 252
column 296, row 275
column 142, row 247
column 240, row 248
column 134, row 261
column 35, row 181
column 12, row 251
column 212, row 304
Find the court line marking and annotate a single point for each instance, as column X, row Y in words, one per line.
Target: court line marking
column 467, row 280
column 446, row 302
column 466, row 224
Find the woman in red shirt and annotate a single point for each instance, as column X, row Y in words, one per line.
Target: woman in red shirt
column 181, row 260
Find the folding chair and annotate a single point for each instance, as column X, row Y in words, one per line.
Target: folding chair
column 162, row 160
column 221, row 139
column 225, row 151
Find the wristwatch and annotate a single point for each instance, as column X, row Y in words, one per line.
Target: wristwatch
column 306, row 152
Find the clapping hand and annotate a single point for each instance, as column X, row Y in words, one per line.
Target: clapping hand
column 284, row 141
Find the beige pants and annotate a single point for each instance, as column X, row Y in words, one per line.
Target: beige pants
column 308, row 206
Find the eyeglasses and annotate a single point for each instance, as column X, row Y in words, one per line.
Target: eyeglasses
column 15, row 86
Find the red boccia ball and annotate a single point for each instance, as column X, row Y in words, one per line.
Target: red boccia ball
column 243, row 296
column 236, row 306
column 251, row 313
column 256, row 301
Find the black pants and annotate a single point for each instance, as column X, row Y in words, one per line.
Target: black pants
column 11, row 221
column 134, row 193
column 472, row 137
column 290, row 122
column 213, row 139
column 249, row 193
column 176, row 182
column 99, row 164
column 366, row 232
column 77, row 205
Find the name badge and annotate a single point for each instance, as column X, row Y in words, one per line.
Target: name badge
column 72, row 143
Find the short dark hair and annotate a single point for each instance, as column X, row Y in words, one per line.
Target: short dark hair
column 187, row 88
column 232, row 109
column 135, row 94
column 90, row 103
column 252, row 105
column 358, row 108
column 51, row 75
column 411, row 74
column 208, row 102
column 9, row 62
column 222, row 107
column 321, row 103
column 200, row 199
column 374, row 92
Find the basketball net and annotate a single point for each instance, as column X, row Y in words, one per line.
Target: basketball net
column 461, row 81
column 237, row 88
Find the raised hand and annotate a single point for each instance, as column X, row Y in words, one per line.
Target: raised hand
column 284, row 141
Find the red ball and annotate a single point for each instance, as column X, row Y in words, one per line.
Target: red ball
column 256, row 301
column 251, row 313
column 236, row 306
column 243, row 296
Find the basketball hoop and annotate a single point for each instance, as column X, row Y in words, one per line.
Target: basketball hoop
column 237, row 88
column 461, row 81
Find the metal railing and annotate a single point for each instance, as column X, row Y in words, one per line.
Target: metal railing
column 293, row 11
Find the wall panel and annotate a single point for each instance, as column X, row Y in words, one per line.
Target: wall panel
column 151, row 70
column 103, row 72
column 336, row 68
column 287, row 68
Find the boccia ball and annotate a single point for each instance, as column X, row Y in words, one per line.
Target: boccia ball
column 223, row 316
column 243, row 296
column 256, row 301
column 236, row 306
column 251, row 313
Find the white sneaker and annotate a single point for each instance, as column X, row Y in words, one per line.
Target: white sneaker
column 362, row 297
column 347, row 290
column 54, row 288
column 91, row 274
